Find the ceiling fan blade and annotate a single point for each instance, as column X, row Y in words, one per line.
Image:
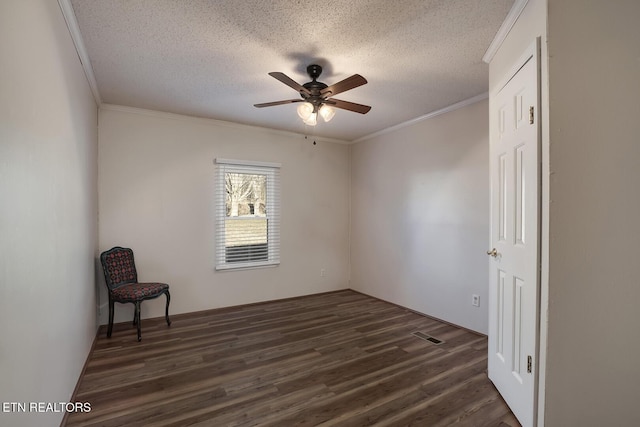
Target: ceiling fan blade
column 271, row 104
column 346, row 105
column 344, row 85
column 289, row 82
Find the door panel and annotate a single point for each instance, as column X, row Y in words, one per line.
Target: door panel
column 514, row 281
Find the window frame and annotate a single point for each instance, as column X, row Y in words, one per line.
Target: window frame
column 272, row 208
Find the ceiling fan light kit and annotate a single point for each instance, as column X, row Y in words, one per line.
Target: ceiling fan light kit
column 307, row 112
column 316, row 96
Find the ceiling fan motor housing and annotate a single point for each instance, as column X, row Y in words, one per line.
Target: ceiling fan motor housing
column 314, row 87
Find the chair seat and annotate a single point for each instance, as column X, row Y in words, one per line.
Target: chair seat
column 138, row 291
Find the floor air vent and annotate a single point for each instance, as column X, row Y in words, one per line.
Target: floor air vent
column 426, row 337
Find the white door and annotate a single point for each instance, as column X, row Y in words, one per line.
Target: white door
column 513, row 293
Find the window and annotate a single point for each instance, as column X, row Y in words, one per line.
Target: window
column 247, row 214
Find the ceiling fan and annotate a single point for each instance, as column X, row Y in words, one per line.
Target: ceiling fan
column 316, row 96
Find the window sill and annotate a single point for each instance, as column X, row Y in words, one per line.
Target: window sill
column 247, row 266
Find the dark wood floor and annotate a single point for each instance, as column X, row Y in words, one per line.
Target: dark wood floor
column 340, row 358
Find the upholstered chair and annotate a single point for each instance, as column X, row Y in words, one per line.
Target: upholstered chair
column 122, row 282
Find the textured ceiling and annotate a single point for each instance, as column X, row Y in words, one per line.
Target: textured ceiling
column 210, row 58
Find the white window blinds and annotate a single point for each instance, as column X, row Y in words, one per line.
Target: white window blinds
column 247, row 214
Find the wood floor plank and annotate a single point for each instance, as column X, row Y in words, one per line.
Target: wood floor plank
column 334, row 359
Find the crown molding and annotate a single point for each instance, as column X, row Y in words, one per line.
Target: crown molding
column 507, row 24
column 431, row 115
column 214, row 122
column 74, row 30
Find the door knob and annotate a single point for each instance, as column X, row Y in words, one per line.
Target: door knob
column 493, row 252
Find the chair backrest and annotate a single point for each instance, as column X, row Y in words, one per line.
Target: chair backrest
column 118, row 266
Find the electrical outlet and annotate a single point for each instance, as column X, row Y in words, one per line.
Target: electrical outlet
column 475, row 300
column 323, row 273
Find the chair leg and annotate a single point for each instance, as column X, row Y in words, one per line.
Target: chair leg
column 166, row 310
column 138, row 320
column 135, row 315
column 110, row 328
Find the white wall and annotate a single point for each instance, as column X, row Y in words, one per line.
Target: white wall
column 156, row 195
column 420, row 216
column 593, row 376
column 48, row 210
